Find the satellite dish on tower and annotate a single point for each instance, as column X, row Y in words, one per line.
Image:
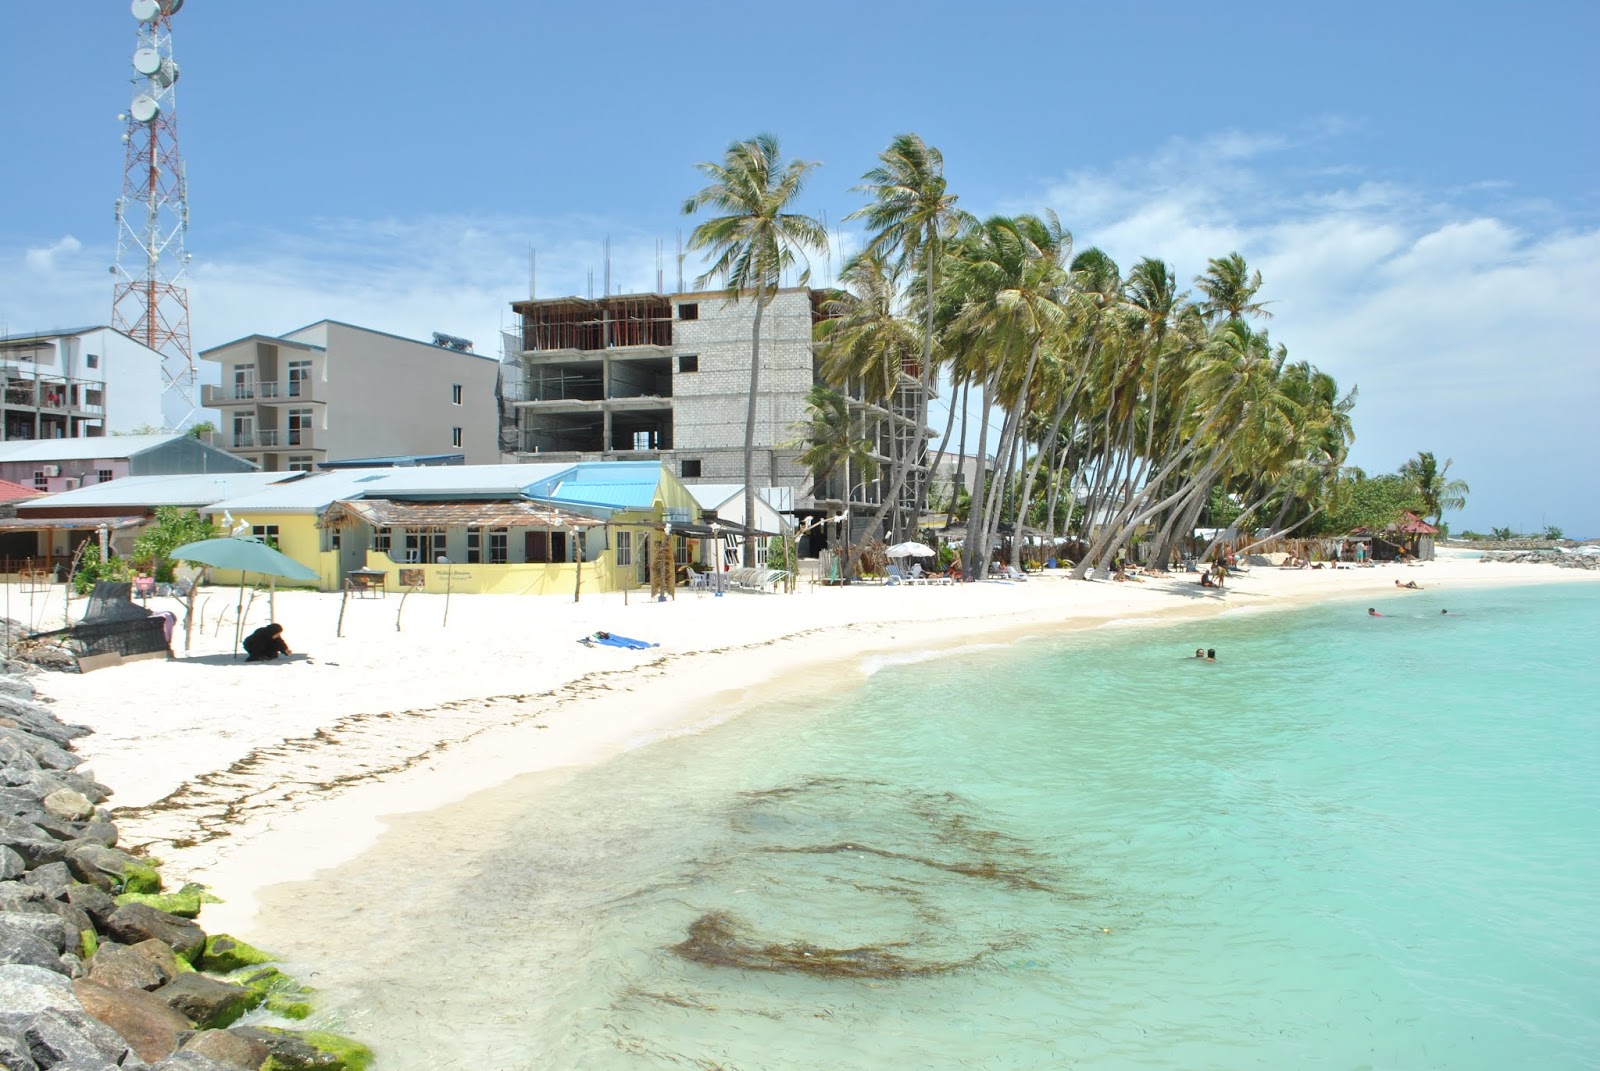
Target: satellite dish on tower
column 146, row 10
column 167, row 75
column 171, row 7
column 144, row 108
column 147, row 61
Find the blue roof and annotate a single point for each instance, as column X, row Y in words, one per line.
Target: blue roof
column 612, row 484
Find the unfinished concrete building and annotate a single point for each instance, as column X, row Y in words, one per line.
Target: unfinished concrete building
column 667, row 376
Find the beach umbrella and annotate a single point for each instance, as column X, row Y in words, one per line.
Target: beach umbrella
column 247, row 556
column 910, row 550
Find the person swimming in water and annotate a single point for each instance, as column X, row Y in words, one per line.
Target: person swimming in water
column 1372, row 612
column 1211, row 654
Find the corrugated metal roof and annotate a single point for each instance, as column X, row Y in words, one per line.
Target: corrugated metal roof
column 190, row 489
column 382, row 513
column 69, row 524
column 712, row 495
column 318, row 491
column 106, row 446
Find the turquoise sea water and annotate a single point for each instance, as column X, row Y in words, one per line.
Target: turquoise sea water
column 1350, row 843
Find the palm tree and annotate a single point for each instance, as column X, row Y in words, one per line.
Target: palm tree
column 753, row 243
column 1438, row 493
column 912, row 216
column 830, row 440
column 866, row 345
column 1230, row 288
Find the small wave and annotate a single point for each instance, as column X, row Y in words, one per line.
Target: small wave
column 871, row 665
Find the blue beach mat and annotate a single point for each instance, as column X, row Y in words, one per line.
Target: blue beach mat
column 611, row 639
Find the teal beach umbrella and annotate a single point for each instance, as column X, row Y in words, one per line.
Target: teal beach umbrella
column 247, row 556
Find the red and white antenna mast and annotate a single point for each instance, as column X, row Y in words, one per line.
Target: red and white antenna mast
column 149, row 302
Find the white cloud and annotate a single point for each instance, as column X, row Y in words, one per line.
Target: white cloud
column 44, row 260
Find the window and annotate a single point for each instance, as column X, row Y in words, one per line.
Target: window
column 300, row 462
column 299, row 427
column 455, row 436
column 624, row 548
column 267, row 533
column 299, row 372
column 690, row 467
column 41, row 482
column 689, row 310
column 474, row 553
column 104, row 475
column 455, row 396
column 244, row 381
column 688, row 362
column 382, row 538
column 499, row 541
column 680, row 550
column 424, row 546
column 92, row 360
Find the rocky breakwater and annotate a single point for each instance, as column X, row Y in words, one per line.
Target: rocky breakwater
column 100, row 968
column 1575, row 557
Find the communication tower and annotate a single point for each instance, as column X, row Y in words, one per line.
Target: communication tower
column 149, row 303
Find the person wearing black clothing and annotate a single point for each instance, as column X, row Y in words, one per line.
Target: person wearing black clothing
column 265, row 643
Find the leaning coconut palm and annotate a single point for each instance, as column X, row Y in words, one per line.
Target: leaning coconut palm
column 1230, row 288
column 865, row 344
column 913, row 217
column 752, row 244
column 1438, row 493
column 1009, row 278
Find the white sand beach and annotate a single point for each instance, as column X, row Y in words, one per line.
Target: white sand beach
column 243, row 775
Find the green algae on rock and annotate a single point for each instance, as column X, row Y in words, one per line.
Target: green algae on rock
column 224, row 952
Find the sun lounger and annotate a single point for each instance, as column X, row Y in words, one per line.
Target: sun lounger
column 611, row 639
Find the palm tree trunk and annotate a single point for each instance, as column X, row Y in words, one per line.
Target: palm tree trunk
column 961, row 457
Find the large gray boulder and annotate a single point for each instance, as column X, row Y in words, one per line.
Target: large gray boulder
column 209, row 1002
column 107, row 868
column 23, row 946
column 12, row 865
column 44, row 925
column 72, row 1038
column 133, row 923
column 25, row 989
column 32, row 843
column 96, row 903
column 120, row 967
column 147, row 1023
column 19, row 896
column 52, row 879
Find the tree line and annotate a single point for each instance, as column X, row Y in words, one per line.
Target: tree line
column 1126, row 405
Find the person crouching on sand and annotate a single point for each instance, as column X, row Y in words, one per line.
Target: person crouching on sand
column 265, row 643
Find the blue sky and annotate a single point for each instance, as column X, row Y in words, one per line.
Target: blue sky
column 1419, row 183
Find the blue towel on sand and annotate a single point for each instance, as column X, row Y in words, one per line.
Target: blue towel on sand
column 613, row 640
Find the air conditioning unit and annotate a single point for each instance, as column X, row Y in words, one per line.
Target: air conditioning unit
column 52, row 470
column 73, row 483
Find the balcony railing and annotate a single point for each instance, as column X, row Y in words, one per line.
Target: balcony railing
column 269, row 439
column 270, row 392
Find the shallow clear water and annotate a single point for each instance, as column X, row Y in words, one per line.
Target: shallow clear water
column 1351, row 843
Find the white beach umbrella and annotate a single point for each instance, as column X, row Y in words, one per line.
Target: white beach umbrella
column 910, row 550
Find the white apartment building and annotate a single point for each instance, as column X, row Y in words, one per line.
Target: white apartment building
column 333, row 391
column 668, row 376
column 76, row 384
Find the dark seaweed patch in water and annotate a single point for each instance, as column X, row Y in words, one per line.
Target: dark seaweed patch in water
column 984, row 869
column 716, row 940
